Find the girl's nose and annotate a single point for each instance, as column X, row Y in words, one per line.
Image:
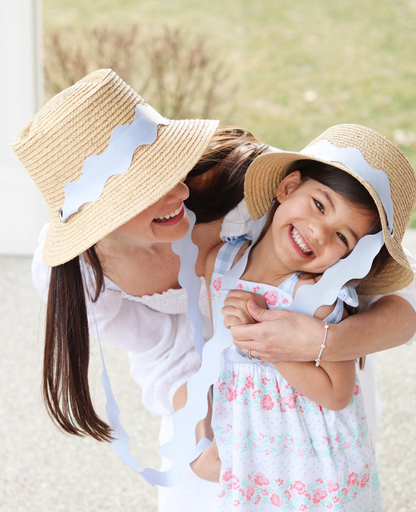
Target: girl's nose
column 178, row 193
column 319, row 231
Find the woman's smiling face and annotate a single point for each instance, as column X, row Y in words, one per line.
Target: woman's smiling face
column 314, row 227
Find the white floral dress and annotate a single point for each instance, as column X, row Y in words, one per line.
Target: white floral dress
column 280, row 450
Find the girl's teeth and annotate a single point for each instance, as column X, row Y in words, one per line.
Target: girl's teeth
column 174, row 214
column 296, row 237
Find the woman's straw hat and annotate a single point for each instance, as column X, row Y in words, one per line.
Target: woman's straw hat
column 78, row 123
column 267, row 171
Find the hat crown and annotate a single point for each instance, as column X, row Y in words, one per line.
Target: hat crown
column 380, row 153
column 97, row 103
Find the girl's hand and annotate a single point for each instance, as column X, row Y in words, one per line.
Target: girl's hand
column 235, row 308
column 208, row 465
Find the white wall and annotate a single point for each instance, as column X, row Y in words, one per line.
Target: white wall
column 22, row 209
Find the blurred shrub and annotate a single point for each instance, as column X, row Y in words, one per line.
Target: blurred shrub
column 180, row 76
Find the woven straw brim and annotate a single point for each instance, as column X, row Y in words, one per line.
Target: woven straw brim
column 267, row 171
column 177, row 149
column 78, row 123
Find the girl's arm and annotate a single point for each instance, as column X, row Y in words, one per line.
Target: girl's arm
column 329, row 384
column 284, row 335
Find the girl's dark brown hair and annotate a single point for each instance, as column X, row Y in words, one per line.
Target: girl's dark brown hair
column 217, row 185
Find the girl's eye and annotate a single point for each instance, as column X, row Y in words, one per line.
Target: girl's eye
column 319, row 205
column 342, row 237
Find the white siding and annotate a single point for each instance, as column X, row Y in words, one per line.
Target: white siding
column 22, row 209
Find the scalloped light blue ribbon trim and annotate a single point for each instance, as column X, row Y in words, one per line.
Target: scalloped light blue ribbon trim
column 358, row 165
column 115, row 160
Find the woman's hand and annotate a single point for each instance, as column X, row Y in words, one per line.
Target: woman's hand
column 279, row 335
column 235, row 307
column 282, row 335
column 208, row 465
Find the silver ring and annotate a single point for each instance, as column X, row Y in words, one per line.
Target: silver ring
column 248, row 355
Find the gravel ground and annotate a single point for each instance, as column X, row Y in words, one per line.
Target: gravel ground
column 43, row 470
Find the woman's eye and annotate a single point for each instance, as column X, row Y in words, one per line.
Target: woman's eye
column 342, row 237
column 319, row 205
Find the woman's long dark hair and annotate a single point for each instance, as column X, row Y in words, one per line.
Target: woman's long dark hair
column 216, row 182
column 66, row 356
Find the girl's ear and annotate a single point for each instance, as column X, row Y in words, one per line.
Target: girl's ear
column 288, row 185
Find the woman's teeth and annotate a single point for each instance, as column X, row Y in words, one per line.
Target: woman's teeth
column 173, row 214
column 297, row 238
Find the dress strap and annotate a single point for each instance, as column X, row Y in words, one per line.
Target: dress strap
column 347, row 295
column 226, row 255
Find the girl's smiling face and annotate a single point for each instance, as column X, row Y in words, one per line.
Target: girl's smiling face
column 314, row 227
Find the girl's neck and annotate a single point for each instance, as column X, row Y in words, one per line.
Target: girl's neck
column 263, row 265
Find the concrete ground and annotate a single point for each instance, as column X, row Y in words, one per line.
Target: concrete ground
column 43, row 470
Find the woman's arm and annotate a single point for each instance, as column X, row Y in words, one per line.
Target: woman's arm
column 283, row 335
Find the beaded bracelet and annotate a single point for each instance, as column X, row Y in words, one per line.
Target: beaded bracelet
column 318, row 360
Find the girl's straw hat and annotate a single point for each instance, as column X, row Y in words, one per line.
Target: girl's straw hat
column 267, row 171
column 78, row 123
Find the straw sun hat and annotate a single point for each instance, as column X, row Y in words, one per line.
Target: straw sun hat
column 78, row 123
column 267, row 171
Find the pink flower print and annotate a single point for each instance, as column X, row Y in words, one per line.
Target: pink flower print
column 279, row 482
column 217, row 283
column 288, row 494
column 335, row 499
column 255, row 393
column 230, row 394
column 285, row 302
column 299, row 487
column 300, row 452
column 249, row 382
column 250, row 492
column 260, row 479
column 329, row 506
column 332, row 486
column 245, row 401
column 235, row 482
column 242, row 492
column 319, row 480
column 267, row 403
column 319, row 495
column 258, row 498
column 256, row 289
column 303, row 507
column 352, row 479
column 264, row 381
column 227, row 475
column 271, row 298
column 276, row 500
column 221, row 387
column 229, row 428
column 308, row 496
column 223, row 440
column 364, row 480
column 345, row 491
column 239, row 286
column 356, row 389
column 346, row 444
column 265, row 492
column 236, row 503
column 290, row 401
column 221, row 494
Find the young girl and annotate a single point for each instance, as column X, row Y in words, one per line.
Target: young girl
column 295, row 435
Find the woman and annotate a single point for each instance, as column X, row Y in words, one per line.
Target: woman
column 125, row 236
